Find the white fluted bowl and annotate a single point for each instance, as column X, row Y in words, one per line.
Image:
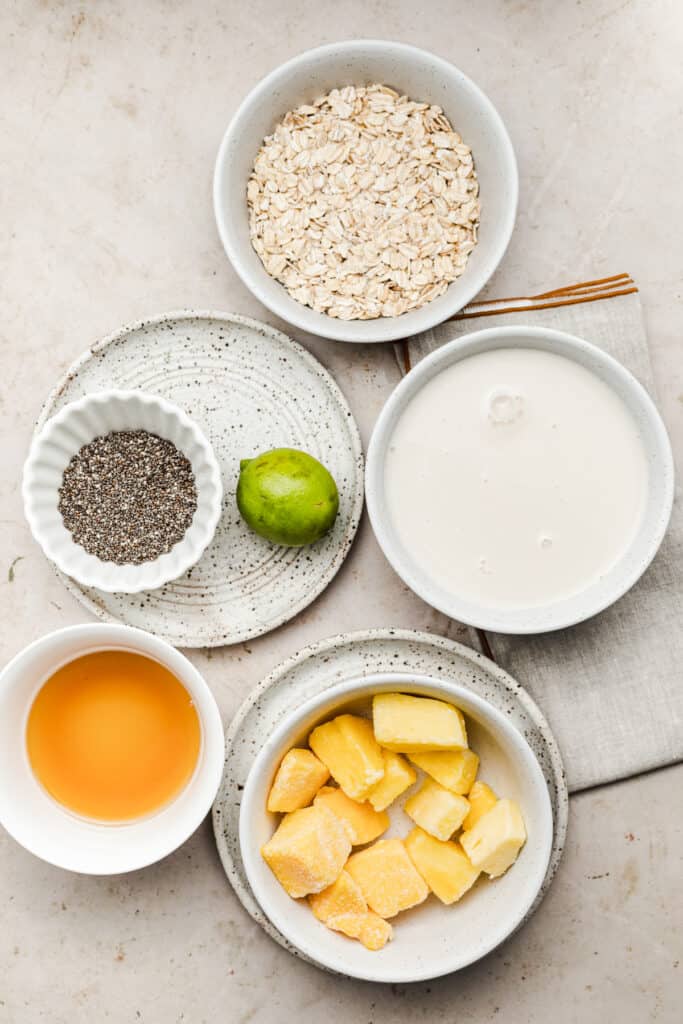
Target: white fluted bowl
column 81, row 422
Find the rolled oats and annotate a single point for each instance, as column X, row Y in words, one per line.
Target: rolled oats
column 364, row 204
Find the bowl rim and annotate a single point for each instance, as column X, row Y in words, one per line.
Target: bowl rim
column 144, row 576
column 333, row 328
column 404, row 682
column 208, row 774
column 534, row 620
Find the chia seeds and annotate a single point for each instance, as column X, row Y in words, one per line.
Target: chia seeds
column 128, row 497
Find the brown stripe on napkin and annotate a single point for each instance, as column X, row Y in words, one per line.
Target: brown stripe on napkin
column 589, row 287
column 568, row 295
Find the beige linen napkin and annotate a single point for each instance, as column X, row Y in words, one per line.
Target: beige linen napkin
column 610, row 687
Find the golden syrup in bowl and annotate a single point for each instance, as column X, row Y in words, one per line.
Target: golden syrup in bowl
column 113, row 736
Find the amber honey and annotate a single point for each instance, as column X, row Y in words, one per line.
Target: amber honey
column 113, row 736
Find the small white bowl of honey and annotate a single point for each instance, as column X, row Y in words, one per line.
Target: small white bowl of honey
column 111, row 748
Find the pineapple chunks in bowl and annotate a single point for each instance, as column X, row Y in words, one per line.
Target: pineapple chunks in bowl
column 401, row 864
column 310, row 851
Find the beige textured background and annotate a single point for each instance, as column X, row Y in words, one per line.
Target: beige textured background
column 110, row 120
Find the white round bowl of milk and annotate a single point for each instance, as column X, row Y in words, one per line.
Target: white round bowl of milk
column 519, row 479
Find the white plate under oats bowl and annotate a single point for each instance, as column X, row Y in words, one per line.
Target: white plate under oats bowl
column 422, row 77
column 249, row 388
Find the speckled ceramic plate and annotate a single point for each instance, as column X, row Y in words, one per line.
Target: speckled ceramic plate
column 250, row 388
column 350, row 656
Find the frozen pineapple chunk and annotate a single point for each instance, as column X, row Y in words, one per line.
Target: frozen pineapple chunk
column 347, row 746
column 387, row 877
column 496, row 839
column 456, row 770
column 298, row 779
column 481, row 798
column 363, row 822
column 445, row 867
column 307, row 851
column 375, row 932
column 410, row 724
column 342, row 908
column 437, row 810
column 398, row 776
column 349, row 924
column 341, row 899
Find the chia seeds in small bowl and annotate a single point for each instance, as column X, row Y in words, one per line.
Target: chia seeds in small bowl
column 128, row 497
column 122, row 491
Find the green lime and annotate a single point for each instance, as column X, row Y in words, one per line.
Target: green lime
column 287, row 496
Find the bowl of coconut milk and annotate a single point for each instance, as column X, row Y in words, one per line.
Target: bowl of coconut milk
column 519, row 479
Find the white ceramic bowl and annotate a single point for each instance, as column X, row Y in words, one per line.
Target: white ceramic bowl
column 422, row 76
column 430, row 940
column 621, row 576
column 81, row 422
column 51, row 832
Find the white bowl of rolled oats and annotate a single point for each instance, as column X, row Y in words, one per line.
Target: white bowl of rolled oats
column 365, row 191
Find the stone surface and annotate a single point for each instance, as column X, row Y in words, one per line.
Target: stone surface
column 111, row 119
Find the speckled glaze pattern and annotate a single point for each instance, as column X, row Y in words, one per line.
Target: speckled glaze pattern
column 349, row 656
column 249, row 388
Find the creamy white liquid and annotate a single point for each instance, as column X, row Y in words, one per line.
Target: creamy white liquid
column 516, row 478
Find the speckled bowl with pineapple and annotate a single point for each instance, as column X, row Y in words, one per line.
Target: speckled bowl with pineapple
column 430, row 939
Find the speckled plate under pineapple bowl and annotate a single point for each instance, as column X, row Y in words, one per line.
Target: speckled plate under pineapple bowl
column 351, row 656
column 249, row 388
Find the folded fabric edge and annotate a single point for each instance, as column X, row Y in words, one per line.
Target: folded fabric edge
column 568, row 300
column 631, row 773
column 597, row 284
